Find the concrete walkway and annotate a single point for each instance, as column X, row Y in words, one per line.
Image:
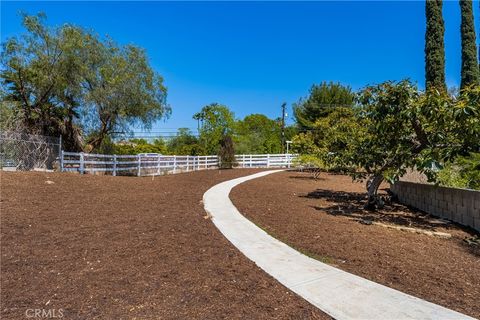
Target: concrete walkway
column 338, row 293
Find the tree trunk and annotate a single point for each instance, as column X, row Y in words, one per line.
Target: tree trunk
column 373, row 183
column 72, row 139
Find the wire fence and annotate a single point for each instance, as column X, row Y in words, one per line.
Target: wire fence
column 22, row 151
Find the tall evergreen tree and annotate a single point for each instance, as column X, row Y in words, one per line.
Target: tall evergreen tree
column 470, row 68
column 434, row 46
column 324, row 98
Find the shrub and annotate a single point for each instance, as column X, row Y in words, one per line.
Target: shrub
column 464, row 172
column 226, row 152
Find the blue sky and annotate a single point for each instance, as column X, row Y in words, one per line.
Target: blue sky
column 252, row 56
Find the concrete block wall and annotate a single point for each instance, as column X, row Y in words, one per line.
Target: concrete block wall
column 459, row 205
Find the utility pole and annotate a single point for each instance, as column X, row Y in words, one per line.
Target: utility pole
column 284, row 105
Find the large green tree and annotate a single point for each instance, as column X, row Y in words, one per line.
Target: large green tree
column 404, row 128
column 434, row 46
column 215, row 121
column 68, row 81
column 393, row 127
column 322, row 100
column 331, row 141
column 470, row 74
column 123, row 91
column 40, row 80
column 256, row 133
column 185, row 143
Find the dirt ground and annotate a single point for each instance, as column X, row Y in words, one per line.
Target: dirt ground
column 322, row 219
column 101, row 247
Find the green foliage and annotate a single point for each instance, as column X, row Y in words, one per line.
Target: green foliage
column 304, row 143
column 331, row 140
column 470, row 74
column 226, row 152
column 434, row 46
column 463, row 172
column 256, row 133
column 185, row 143
column 216, row 122
column 336, row 135
column 393, row 127
column 405, row 128
column 136, row 146
column 67, row 81
column 323, row 99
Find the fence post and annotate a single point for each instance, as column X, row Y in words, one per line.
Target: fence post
column 60, row 153
column 61, row 160
column 243, row 160
column 288, row 160
column 114, row 173
column 158, row 165
column 139, row 165
column 174, row 163
column 251, row 161
column 82, row 163
column 268, row 160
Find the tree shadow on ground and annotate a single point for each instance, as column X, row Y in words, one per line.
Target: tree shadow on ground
column 311, row 177
column 351, row 204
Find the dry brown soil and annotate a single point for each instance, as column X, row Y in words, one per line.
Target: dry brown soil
column 321, row 218
column 101, row 247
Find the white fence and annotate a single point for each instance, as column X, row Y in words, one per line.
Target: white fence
column 155, row 164
column 264, row 160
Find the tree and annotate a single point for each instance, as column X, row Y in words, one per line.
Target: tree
column 40, row 79
column 470, row 74
column 67, row 81
column 434, row 46
column 136, row 146
column 405, row 128
column 216, row 122
column 323, row 99
column 463, row 172
column 226, row 153
column 394, row 127
column 123, row 90
column 330, row 143
column 185, row 143
column 256, row 133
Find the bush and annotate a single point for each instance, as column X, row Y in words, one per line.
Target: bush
column 226, row 153
column 464, row 172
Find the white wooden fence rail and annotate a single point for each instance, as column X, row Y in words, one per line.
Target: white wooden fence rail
column 156, row 164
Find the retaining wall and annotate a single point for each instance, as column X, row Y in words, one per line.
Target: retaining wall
column 459, row 205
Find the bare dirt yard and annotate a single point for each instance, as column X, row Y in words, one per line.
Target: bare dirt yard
column 325, row 219
column 102, row 247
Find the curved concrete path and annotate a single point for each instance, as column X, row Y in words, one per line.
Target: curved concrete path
column 338, row 293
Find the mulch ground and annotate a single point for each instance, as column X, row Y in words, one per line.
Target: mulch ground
column 322, row 218
column 101, row 247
